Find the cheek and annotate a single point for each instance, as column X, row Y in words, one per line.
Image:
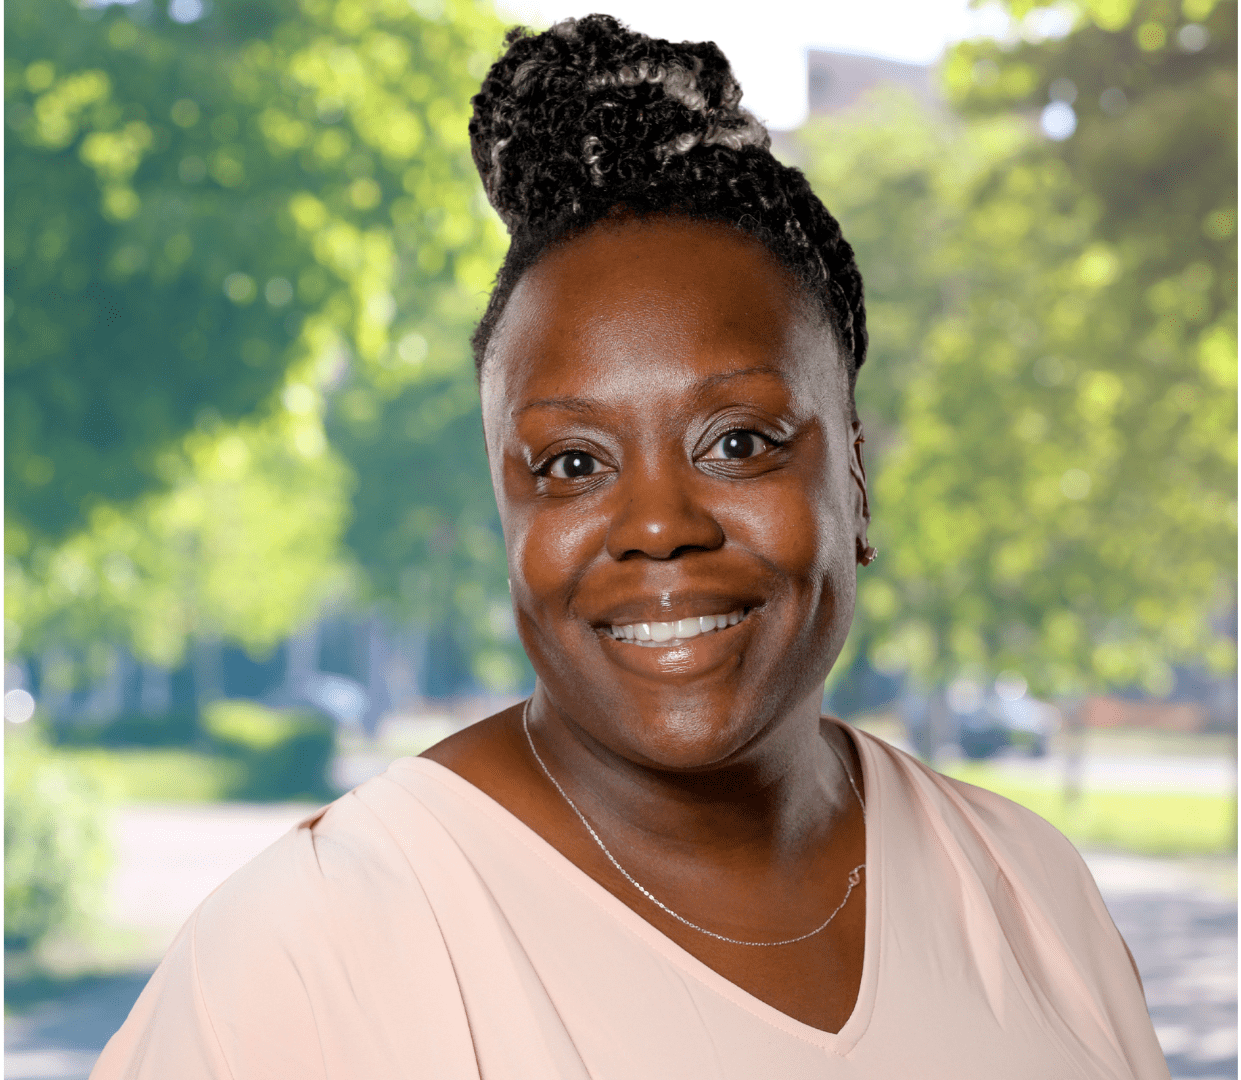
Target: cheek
column 794, row 526
column 549, row 550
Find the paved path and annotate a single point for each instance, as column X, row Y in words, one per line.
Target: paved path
column 1179, row 918
column 1182, row 928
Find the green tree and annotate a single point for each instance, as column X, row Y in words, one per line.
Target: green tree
column 215, row 229
column 242, row 544
column 56, row 850
column 1060, row 497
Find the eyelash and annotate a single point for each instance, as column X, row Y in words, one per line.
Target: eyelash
column 772, row 443
column 544, row 470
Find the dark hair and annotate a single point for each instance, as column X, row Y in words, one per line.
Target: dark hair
column 588, row 118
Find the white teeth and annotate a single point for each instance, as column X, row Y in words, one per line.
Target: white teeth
column 674, row 633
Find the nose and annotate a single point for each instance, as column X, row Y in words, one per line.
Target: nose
column 661, row 515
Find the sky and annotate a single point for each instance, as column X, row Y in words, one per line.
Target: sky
column 766, row 40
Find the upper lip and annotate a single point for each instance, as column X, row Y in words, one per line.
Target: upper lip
column 670, row 609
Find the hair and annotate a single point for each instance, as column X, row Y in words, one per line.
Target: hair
column 590, row 119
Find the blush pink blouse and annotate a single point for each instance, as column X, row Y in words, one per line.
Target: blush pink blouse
column 415, row 928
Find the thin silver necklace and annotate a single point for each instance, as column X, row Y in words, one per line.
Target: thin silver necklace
column 854, row 874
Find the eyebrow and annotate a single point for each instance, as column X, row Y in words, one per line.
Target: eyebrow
column 589, row 405
column 725, row 376
column 570, row 404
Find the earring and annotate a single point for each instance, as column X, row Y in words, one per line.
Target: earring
column 869, row 556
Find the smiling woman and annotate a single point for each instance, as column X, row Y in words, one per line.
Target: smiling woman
column 666, row 863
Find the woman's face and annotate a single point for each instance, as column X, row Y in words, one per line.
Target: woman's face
column 669, row 430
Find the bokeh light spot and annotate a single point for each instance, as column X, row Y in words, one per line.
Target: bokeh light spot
column 184, row 113
column 1058, row 121
column 279, row 291
column 185, row 11
column 1193, row 37
column 240, row 288
column 1151, row 36
column 18, row 706
column 1075, row 484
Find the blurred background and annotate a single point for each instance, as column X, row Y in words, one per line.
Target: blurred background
column 251, row 550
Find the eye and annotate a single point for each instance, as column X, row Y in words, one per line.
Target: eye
column 572, row 465
column 738, row 444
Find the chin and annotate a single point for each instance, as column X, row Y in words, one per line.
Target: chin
column 690, row 724
column 694, row 703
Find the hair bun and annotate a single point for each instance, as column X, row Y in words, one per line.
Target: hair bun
column 591, row 111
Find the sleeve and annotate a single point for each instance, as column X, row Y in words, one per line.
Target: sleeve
column 229, row 1001
column 1063, row 933
column 169, row 1031
column 320, row 957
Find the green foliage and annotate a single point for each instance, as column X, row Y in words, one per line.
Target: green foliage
column 244, row 255
column 214, row 229
column 56, row 851
column 242, row 544
column 1053, row 376
column 120, row 324
column 425, row 524
column 284, row 754
column 159, row 774
column 179, row 727
column 235, row 750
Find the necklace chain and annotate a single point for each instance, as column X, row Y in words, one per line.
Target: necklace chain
column 854, row 874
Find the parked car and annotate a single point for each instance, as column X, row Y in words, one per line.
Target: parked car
column 982, row 721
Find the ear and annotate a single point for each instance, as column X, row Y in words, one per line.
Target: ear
column 861, row 504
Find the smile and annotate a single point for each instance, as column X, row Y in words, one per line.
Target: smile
column 666, row 634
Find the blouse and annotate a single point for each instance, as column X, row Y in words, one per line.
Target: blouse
column 415, row 928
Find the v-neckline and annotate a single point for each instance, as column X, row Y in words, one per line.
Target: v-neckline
column 840, row 1042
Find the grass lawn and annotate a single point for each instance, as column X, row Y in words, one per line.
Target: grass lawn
column 1148, row 823
column 1151, row 823
column 158, row 774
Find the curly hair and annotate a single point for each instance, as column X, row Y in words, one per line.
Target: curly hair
column 590, row 118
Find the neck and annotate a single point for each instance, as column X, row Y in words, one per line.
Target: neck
column 770, row 804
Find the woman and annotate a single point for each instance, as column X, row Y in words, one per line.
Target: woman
column 665, row 863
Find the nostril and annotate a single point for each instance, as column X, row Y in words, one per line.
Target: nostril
column 663, row 522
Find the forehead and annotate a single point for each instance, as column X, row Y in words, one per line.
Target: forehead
column 667, row 301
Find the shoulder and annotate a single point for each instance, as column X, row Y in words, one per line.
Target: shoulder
column 327, row 922
column 1030, row 849
column 1036, row 882
column 306, row 955
column 997, row 820
column 1007, row 844
column 309, row 893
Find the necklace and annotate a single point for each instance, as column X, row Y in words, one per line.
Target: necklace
column 854, row 874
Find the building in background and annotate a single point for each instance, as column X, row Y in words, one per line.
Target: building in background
column 836, row 81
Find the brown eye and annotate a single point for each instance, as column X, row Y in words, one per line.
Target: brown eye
column 738, row 444
column 572, row 465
